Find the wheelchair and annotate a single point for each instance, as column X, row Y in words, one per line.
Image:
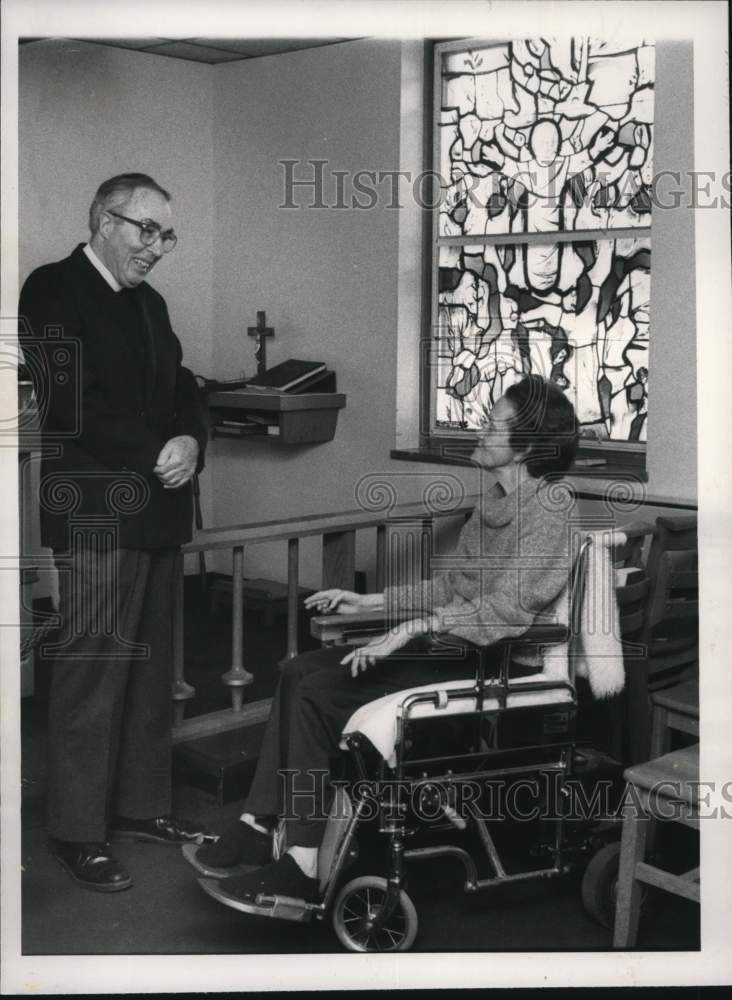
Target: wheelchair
column 497, row 736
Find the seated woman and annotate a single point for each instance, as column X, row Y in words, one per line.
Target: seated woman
column 531, row 433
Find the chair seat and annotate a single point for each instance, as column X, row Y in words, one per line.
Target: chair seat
column 673, row 776
column 378, row 719
column 682, row 698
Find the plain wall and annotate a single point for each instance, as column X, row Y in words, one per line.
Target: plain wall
column 671, row 455
column 326, row 277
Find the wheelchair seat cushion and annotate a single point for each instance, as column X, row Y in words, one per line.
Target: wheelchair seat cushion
column 377, row 720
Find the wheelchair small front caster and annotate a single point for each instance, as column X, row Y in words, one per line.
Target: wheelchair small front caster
column 355, row 917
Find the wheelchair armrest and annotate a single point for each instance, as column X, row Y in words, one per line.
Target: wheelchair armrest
column 364, row 625
column 545, row 634
column 540, row 634
column 359, row 627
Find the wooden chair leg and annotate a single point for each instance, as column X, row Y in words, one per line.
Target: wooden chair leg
column 627, row 904
column 660, row 741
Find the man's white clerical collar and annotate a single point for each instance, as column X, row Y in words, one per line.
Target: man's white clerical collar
column 103, row 269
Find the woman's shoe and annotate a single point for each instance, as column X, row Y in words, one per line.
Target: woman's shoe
column 281, row 878
column 238, row 849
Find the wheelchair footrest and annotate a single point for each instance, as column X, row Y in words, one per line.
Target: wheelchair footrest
column 496, row 880
column 282, row 908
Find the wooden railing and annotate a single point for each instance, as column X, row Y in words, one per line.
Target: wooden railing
column 338, row 532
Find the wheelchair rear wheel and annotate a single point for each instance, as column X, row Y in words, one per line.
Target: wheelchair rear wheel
column 600, row 883
column 356, row 909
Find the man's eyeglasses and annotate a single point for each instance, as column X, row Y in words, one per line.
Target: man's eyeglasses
column 150, row 232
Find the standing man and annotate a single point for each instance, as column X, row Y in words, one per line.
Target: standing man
column 123, row 433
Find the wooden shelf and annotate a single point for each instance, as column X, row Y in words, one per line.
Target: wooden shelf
column 305, row 418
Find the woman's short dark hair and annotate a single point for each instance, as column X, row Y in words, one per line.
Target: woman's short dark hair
column 545, row 425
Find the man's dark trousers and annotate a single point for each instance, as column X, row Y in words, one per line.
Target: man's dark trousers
column 110, row 702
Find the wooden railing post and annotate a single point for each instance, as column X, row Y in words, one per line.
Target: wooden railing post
column 339, row 559
column 293, row 554
column 182, row 692
column 237, row 678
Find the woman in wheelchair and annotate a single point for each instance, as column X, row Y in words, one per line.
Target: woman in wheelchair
column 531, row 434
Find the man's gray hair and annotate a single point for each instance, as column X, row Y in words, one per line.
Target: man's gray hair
column 117, row 191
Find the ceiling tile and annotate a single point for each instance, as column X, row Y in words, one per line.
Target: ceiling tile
column 188, row 50
column 124, row 43
column 207, row 50
column 264, row 46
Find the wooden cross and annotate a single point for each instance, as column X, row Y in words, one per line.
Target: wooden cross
column 261, row 332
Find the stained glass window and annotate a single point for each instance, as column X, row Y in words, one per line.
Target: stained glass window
column 544, row 149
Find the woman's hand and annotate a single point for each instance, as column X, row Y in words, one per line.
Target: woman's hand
column 363, row 657
column 340, row 602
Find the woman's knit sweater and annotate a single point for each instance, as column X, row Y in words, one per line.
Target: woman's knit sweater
column 512, row 560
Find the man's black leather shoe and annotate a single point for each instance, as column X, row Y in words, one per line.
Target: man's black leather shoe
column 92, row 866
column 160, row 830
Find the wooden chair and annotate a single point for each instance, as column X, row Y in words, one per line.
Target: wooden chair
column 674, row 709
column 670, row 628
column 632, row 582
column 665, row 788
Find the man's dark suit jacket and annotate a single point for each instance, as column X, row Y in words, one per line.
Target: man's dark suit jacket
column 111, row 391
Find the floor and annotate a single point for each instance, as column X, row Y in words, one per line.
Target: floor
column 166, row 912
